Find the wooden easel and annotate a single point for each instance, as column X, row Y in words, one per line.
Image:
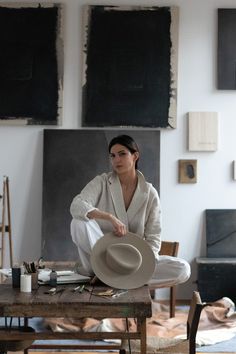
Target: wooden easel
column 5, row 224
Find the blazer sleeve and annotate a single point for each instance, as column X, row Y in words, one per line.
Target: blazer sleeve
column 152, row 230
column 87, row 200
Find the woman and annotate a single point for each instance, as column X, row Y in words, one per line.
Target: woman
column 122, row 201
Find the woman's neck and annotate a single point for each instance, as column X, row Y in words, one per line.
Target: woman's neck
column 128, row 185
column 128, row 179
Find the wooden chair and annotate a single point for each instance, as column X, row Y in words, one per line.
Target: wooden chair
column 176, row 346
column 188, row 345
column 169, row 248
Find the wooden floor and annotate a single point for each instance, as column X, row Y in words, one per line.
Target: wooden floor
column 107, row 352
column 47, row 352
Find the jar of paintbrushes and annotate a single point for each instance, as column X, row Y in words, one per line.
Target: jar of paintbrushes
column 31, row 268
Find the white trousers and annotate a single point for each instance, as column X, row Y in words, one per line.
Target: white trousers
column 169, row 270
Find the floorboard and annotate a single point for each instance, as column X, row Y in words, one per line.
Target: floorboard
column 48, row 352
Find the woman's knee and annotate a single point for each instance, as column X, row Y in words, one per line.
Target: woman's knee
column 185, row 271
column 172, row 270
column 77, row 229
column 85, row 231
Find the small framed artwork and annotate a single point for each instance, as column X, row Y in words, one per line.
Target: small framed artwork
column 187, row 171
column 203, row 131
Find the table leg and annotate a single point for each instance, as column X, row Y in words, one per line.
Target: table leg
column 143, row 335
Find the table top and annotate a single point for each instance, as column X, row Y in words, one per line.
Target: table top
column 134, row 303
column 218, row 260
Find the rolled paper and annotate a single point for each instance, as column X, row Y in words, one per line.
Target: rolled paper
column 25, row 283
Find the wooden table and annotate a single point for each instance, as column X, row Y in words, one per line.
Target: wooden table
column 134, row 304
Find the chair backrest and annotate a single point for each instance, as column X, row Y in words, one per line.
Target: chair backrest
column 194, row 314
column 169, row 248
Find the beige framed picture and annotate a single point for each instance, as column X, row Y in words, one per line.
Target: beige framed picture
column 203, row 131
column 187, row 171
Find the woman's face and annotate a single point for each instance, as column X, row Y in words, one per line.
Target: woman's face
column 122, row 160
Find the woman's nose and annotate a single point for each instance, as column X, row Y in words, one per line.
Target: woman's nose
column 116, row 157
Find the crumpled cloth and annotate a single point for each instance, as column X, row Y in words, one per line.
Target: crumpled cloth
column 217, row 323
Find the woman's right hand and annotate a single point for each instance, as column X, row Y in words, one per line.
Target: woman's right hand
column 119, row 228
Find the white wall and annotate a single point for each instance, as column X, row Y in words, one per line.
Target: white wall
column 183, row 205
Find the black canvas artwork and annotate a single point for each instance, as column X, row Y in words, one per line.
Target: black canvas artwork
column 130, row 66
column 226, row 49
column 221, row 232
column 30, row 52
column 71, row 159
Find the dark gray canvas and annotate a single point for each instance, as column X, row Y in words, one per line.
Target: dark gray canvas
column 226, row 49
column 221, row 232
column 71, row 159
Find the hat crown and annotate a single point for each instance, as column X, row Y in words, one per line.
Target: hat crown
column 123, row 258
column 128, row 264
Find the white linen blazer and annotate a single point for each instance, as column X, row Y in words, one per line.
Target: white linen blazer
column 104, row 192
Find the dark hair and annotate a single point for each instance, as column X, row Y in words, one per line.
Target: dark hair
column 126, row 141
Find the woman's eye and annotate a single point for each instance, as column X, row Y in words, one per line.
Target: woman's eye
column 120, row 154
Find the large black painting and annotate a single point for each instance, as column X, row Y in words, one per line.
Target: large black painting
column 71, row 159
column 30, row 53
column 130, row 73
column 226, row 49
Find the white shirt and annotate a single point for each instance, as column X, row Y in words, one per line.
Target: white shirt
column 104, row 192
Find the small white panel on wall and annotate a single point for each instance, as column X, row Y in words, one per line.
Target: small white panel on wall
column 203, row 131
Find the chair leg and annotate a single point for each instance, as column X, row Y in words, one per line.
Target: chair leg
column 152, row 293
column 172, row 301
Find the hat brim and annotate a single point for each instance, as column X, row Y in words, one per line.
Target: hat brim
column 117, row 280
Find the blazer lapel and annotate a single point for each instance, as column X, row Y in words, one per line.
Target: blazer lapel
column 117, row 198
column 139, row 198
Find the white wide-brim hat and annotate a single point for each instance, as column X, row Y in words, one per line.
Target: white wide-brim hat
column 126, row 262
